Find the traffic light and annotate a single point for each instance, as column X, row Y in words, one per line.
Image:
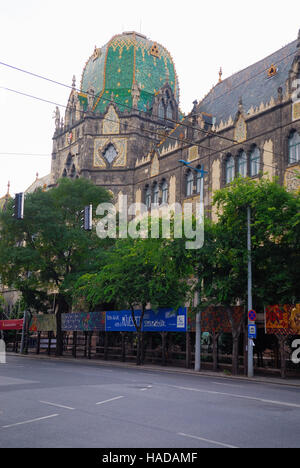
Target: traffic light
column 87, row 218
column 19, row 206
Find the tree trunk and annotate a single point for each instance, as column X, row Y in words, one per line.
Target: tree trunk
column 236, row 330
column 188, row 351
column 123, row 336
column 163, row 347
column 235, row 354
column 215, row 351
column 282, row 342
column 139, row 328
column 61, row 307
column 138, row 349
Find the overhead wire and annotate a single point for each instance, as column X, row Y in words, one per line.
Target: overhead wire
column 162, row 135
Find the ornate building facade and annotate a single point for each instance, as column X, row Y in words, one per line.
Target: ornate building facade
column 123, row 128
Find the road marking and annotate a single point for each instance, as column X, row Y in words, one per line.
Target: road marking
column 207, row 440
column 147, row 388
column 233, row 395
column 29, row 421
column 107, row 401
column 56, row 404
column 227, row 384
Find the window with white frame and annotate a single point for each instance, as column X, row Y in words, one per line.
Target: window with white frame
column 229, row 169
column 242, row 164
column 198, row 181
column 254, row 161
column 155, row 194
column 294, row 147
column 189, row 183
column 148, row 197
column 164, row 189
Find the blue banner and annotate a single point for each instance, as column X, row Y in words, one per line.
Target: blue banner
column 165, row 320
column 121, row 321
column 154, row 321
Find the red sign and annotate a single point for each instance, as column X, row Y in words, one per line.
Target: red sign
column 11, row 324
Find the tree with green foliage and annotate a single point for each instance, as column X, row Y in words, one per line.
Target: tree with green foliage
column 222, row 262
column 45, row 253
column 138, row 273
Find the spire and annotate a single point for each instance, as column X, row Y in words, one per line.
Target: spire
column 298, row 43
column 220, row 75
column 37, row 175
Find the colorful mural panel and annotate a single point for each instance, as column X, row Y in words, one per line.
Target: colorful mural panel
column 82, row 321
column 282, row 319
column 43, row 323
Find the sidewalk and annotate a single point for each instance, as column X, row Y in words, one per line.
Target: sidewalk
column 166, row 369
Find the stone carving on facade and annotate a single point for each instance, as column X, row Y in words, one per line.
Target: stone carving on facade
column 56, row 116
column 240, row 133
column 111, row 122
column 155, row 166
column 101, row 144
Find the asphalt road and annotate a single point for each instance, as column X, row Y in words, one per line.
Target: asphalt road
column 61, row 404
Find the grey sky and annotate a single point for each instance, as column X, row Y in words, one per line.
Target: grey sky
column 55, row 38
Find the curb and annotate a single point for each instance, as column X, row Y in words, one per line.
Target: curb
column 168, row 370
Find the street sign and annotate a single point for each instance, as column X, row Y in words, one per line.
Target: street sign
column 252, row 332
column 252, row 315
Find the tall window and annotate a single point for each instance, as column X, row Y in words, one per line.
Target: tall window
column 189, row 183
column 164, row 189
column 170, row 111
column 156, row 194
column 254, row 161
column 161, row 110
column 229, row 169
column 198, row 183
column 242, row 164
column 148, row 197
column 73, row 171
column 294, row 148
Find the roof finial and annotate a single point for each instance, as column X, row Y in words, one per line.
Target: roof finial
column 220, row 75
column 74, row 82
column 37, row 175
column 8, row 187
column 298, row 45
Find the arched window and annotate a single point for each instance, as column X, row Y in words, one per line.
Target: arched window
column 242, row 164
column 161, row 110
column 165, row 194
column 254, row 161
column 110, row 153
column 169, row 111
column 229, row 168
column 294, row 147
column 65, row 173
column 148, row 197
column 73, row 171
column 69, row 160
column 156, row 194
column 189, row 183
column 198, row 182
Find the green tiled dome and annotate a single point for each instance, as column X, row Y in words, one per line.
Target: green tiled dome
column 128, row 59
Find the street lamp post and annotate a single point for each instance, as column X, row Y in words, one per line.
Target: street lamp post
column 250, row 341
column 198, row 316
